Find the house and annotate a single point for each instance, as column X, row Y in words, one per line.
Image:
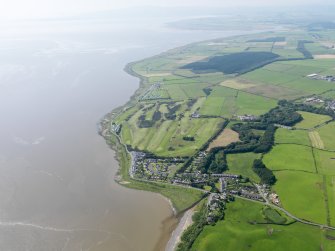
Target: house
column 195, row 115
column 313, row 75
column 274, row 198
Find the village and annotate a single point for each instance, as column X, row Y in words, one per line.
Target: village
column 226, row 185
column 329, row 103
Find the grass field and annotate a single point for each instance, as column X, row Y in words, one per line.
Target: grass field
column 325, row 162
column 316, row 140
column 288, row 79
column 241, row 164
column 227, row 102
column 277, row 92
column 311, row 120
column 273, row 216
column 330, row 94
column 292, row 136
column 252, row 104
column 238, row 84
column 327, row 135
column 302, row 194
column 285, row 157
column 225, row 138
column 330, row 180
column 237, row 232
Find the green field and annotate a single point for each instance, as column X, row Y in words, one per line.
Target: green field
column 227, row 102
column 327, row 134
column 330, row 180
column 241, row 164
column 290, row 157
column 292, row 137
column 288, row 79
column 325, row 162
column 252, row 104
column 311, row 120
column 237, row 232
column 302, row 194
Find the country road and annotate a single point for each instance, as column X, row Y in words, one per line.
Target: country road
column 289, row 214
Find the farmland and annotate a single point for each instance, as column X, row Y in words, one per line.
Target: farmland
column 238, row 106
column 327, row 135
column 237, row 232
column 242, row 164
column 292, row 136
column 285, row 157
column 225, row 138
column 311, row 120
column 308, row 202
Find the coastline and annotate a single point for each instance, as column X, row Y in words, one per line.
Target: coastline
column 184, row 223
column 170, row 224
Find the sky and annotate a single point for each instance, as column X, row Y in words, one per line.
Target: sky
column 16, row 9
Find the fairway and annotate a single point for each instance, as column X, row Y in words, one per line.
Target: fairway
column 285, row 157
column 238, row 232
column 165, row 138
column 302, row 195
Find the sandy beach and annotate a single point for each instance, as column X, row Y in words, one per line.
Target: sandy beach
column 184, row 223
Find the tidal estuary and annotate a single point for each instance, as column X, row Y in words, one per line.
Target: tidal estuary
column 57, row 190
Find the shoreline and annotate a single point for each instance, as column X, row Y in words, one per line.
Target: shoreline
column 171, row 223
column 184, row 223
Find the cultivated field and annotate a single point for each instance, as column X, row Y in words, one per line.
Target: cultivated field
column 327, row 134
column 292, row 137
column 241, row 164
column 225, row 138
column 316, row 139
column 239, row 232
column 311, row 120
column 290, row 157
column 302, row 194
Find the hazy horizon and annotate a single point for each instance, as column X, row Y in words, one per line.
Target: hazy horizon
column 19, row 9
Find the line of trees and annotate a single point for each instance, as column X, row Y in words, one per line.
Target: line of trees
column 215, row 162
column 302, row 49
column 192, row 232
column 266, row 175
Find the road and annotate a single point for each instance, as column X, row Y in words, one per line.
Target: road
column 289, row 214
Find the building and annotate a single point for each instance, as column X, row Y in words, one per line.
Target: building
column 223, row 184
